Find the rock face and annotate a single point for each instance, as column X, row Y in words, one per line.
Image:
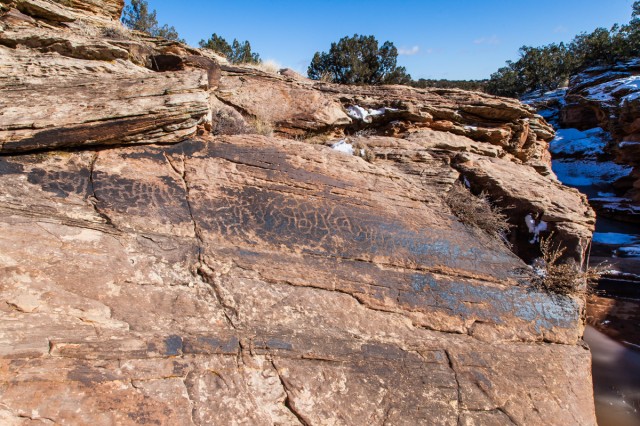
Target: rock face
column 154, row 272
column 609, row 97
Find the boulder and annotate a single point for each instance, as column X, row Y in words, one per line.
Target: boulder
column 286, row 104
column 524, row 193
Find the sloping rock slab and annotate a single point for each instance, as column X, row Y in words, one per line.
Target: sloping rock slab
column 270, row 282
column 163, row 107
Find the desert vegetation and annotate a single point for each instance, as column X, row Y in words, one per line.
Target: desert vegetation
column 549, row 67
column 477, row 211
column 358, row 60
column 236, row 52
column 556, row 274
column 136, row 16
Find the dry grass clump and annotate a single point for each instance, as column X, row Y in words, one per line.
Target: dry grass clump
column 477, row 211
column 116, row 32
column 225, row 123
column 262, row 127
column 269, row 66
column 228, row 123
column 362, row 150
column 560, row 276
column 326, row 77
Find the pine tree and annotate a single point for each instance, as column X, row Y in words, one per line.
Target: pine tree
column 136, row 16
column 548, row 67
column 236, row 53
column 358, row 60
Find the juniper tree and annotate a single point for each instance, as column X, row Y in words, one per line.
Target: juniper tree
column 359, row 60
column 236, row 53
column 136, row 16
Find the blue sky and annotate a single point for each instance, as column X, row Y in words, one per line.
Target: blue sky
column 454, row 39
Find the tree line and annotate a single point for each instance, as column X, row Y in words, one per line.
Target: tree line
column 360, row 59
column 549, row 67
column 137, row 16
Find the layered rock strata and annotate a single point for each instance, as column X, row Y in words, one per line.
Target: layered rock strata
column 155, row 272
column 609, row 97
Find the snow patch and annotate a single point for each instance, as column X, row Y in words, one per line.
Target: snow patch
column 618, row 204
column 573, row 141
column 628, row 143
column 632, row 97
column 539, row 96
column 343, row 146
column 535, row 228
column 614, row 239
column 366, row 115
column 588, row 172
column 622, row 87
column 630, row 251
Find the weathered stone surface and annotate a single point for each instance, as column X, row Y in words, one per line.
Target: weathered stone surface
column 246, row 279
column 300, row 107
column 292, row 106
column 63, row 11
column 109, row 8
column 44, row 9
column 44, row 41
column 498, row 121
column 523, row 192
column 163, row 107
column 185, row 259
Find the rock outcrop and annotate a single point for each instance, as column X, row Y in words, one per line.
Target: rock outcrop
column 155, row 272
column 609, row 97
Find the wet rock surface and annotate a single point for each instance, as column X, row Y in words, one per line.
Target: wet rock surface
column 155, row 272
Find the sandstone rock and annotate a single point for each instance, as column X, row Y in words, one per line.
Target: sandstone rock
column 108, row 8
column 163, row 107
column 44, row 41
column 290, row 106
column 47, row 10
column 524, row 192
column 63, row 11
column 282, row 261
column 153, row 276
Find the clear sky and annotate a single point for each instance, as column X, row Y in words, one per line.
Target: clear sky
column 452, row 39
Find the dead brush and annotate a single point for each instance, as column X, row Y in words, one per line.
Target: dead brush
column 477, row 211
column 226, row 124
column 262, row 127
column 362, row 150
column 562, row 276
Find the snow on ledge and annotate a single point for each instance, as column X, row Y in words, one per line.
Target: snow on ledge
column 366, row 115
column 628, row 143
column 613, row 238
column 343, row 146
column 573, row 141
column 630, row 251
column 535, row 228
